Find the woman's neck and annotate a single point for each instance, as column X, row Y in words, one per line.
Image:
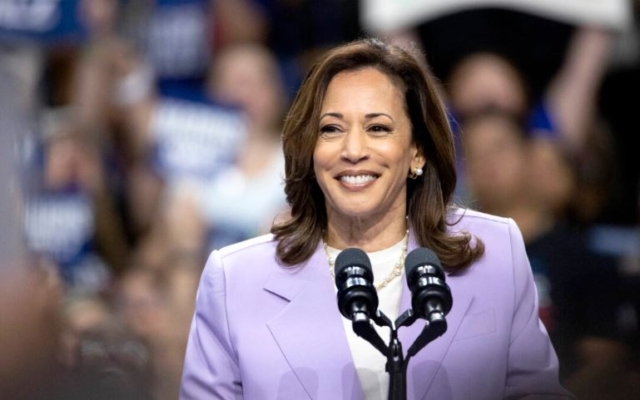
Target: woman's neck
column 366, row 233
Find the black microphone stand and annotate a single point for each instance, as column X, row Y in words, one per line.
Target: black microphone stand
column 396, row 365
column 357, row 299
column 397, row 369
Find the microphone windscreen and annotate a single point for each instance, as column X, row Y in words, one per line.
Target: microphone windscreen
column 421, row 256
column 352, row 257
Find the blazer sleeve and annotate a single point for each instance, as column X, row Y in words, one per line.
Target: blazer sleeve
column 210, row 367
column 532, row 370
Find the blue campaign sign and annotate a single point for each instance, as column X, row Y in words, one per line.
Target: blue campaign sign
column 43, row 21
column 59, row 225
column 178, row 38
column 195, row 139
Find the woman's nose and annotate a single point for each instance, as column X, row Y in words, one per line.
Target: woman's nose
column 355, row 146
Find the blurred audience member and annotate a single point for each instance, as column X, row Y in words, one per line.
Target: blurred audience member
column 69, row 215
column 110, row 364
column 112, row 91
column 30, row 296
column 240, row 21
column 242, row 200
column 623, row 79
column 532, row 181
column 81, row 314
column 30, row 291
column 486, row 80
column 155, row 305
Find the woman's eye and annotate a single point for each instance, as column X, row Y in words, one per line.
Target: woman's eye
column 379, row 129
column 329, row 129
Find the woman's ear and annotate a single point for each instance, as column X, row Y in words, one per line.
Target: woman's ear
column 417, row 165
column 418, row 160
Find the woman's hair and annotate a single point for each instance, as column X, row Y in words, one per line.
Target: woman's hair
column 428, row 197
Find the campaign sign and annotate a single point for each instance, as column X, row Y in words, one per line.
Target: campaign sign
column 194, row 139
column 178, row 39
column 59, row 225
column 42, row 21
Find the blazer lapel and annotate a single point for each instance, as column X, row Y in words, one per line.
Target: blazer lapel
column 429, row 360
column 316, row 348
column 310, row 332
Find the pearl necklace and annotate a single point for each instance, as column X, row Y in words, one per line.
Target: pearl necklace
column 395, row 272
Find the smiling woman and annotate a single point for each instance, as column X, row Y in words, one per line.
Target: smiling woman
column 362, row 158
column 369, row 164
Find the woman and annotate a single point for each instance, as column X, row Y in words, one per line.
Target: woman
column 369, row 164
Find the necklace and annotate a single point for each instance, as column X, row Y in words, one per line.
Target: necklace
column 395, row 272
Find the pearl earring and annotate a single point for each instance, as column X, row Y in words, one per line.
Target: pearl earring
column 414, row 174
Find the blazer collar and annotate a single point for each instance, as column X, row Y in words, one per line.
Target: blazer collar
column 309, row 330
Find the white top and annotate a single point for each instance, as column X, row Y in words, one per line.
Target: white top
column 368, row 361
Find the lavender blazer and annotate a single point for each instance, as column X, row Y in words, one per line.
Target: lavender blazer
column 264, row 332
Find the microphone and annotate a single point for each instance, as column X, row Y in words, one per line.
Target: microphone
column 430, row 295
column 357, row 297
column 354, row 279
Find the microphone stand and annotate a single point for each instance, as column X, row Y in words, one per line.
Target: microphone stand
column 397, row 369
column 396, row 365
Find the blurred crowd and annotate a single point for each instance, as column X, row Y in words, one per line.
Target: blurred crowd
column 139, row 135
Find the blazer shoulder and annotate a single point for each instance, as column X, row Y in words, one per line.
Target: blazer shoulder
column 257, row 255
column 257, row 244
column 470, row 220
column 499, row 234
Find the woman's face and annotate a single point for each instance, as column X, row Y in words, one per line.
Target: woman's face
column 364, row 150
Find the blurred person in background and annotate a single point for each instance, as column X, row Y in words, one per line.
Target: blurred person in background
column 155, row 305
column 30, row 325
column 80, row 314
column 489, row 81
column 110, row 364
column 112, row 90
column 619, row 114
column 30, row 290
column 532, row 180
column 244, row 198
column 99, row 358
column 70, row 217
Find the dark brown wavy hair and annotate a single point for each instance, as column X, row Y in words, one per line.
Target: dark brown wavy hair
column 429, row 197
